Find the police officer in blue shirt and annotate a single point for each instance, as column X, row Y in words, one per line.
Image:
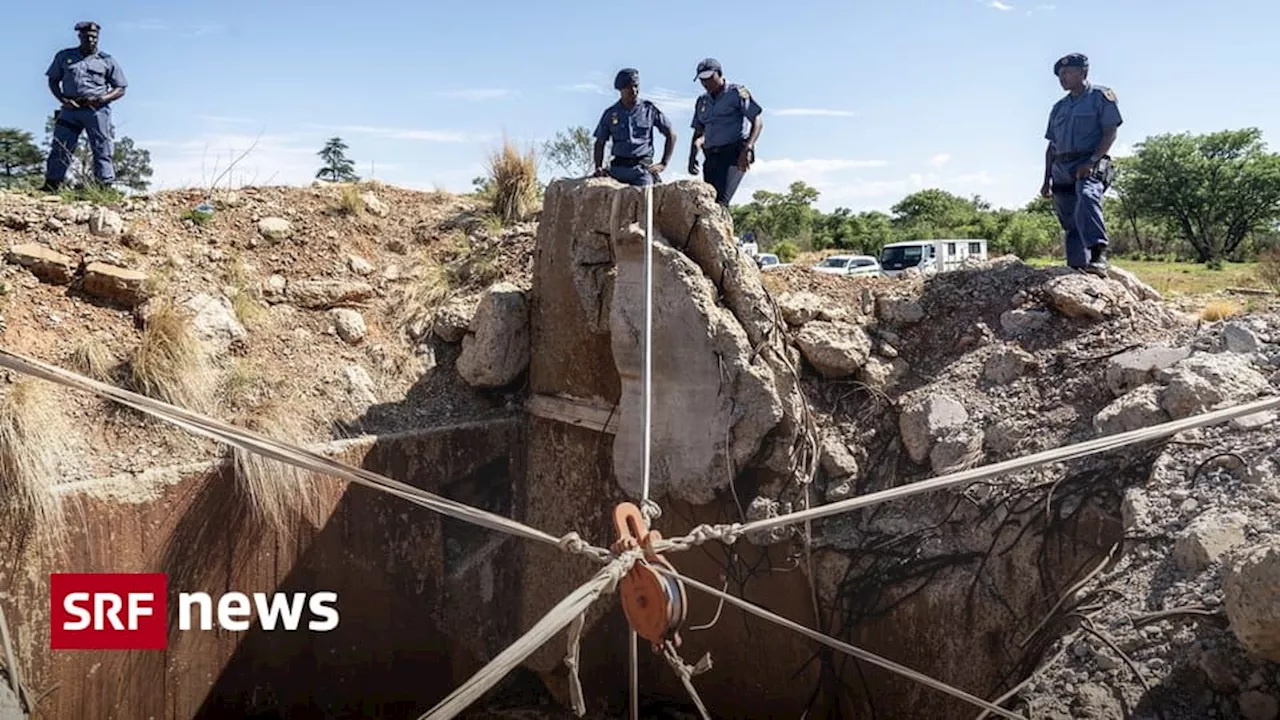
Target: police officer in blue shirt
column 720, row 119
column 629, row 123
column 1077, row 168
column 85, row 81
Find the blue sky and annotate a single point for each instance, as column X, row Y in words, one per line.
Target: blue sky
column 867, row 101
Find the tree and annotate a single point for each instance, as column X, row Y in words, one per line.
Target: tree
column 21, row 162
column 337, row 167
column 571, row 150
column 779, row 216
column 934, row 212
column 132, row 163
column 1213, row 191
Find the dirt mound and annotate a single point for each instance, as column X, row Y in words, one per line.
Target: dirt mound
column 983, row 365
column 322, row 298
column 375, row 309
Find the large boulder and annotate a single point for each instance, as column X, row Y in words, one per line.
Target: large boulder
column 214, row 322
column 926, row 420
column 1087, row 297
column 496, row 348
column 1206, row 380
column 836, row 350
column 1132, row 369
column 712, row 403
column 1251, row 592
column 48, row 265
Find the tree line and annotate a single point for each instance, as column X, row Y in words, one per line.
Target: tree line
column 22, row 160
column 1208, row 198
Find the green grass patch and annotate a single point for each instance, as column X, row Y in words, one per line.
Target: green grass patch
column 92, row 193
column 1180, row 278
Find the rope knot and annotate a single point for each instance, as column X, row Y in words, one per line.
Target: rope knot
column 573, row 543
column 650, row 510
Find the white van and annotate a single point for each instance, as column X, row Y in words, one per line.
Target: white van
column 931, row 256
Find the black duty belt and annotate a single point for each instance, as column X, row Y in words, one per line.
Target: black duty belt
column 631, row 161
column 733, row 147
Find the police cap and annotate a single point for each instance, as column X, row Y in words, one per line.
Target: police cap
column 1072, row 60
column 87, row 25
column 626, row 77
column 708, row 68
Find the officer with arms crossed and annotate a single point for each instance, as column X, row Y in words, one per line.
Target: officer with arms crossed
column 718, row 128
column 85, row 81
column 1077, row 168
column 629, row 123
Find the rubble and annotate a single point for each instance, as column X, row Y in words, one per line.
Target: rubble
column 880, row 382
column 495, row 349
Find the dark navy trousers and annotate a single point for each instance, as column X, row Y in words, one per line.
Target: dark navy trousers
column 1079, row 207
column 721, row 170
column 96, row 125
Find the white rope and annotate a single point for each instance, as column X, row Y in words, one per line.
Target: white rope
column 844, row 647
column 646, row 417
column 686, row 672
column 293, row 455
column 571, row 661
column 648, row 508
column 731, row 532
column 564, row 613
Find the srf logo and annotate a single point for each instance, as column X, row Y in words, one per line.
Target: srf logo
column 129, row 611
column 108, row 611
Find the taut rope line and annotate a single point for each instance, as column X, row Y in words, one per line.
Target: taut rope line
column 845, row 647
column 729, row 533
column 297, row 456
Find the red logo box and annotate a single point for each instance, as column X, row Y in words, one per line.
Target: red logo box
column 108, row 611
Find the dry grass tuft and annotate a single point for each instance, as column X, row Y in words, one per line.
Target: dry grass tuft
column 279, row 493
column 431, row 285
column 93, row 358
column 350, row 201
column 169, row 364
column 32, row 439
column 1219, row 310
column 513, row 178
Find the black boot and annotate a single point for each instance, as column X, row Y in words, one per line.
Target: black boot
column 1098, row 261
column 51, row 186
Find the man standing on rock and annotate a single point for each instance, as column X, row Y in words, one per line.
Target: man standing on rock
column 85, row 81
column 728, row 147
column 1077, row 168
column 629, row 123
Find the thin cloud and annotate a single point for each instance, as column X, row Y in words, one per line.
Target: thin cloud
column 477, row 94
column 814, row 112
column 281, row 159
column 205, row 29
column 671, row 101
column 812, row 166
column 393, row 133
column 939, row 160
column 997, row 5
column 587, row 87
column 156, row 25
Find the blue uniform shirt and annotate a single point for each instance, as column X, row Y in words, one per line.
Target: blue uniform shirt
column 81, row 76
column 631, row 129
column 1076, row 124
column 723, row 118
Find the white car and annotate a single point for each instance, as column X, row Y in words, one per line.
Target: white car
column 769, row 261
column 851, row 265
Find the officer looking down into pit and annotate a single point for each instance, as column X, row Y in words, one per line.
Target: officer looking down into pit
column 629, row 124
